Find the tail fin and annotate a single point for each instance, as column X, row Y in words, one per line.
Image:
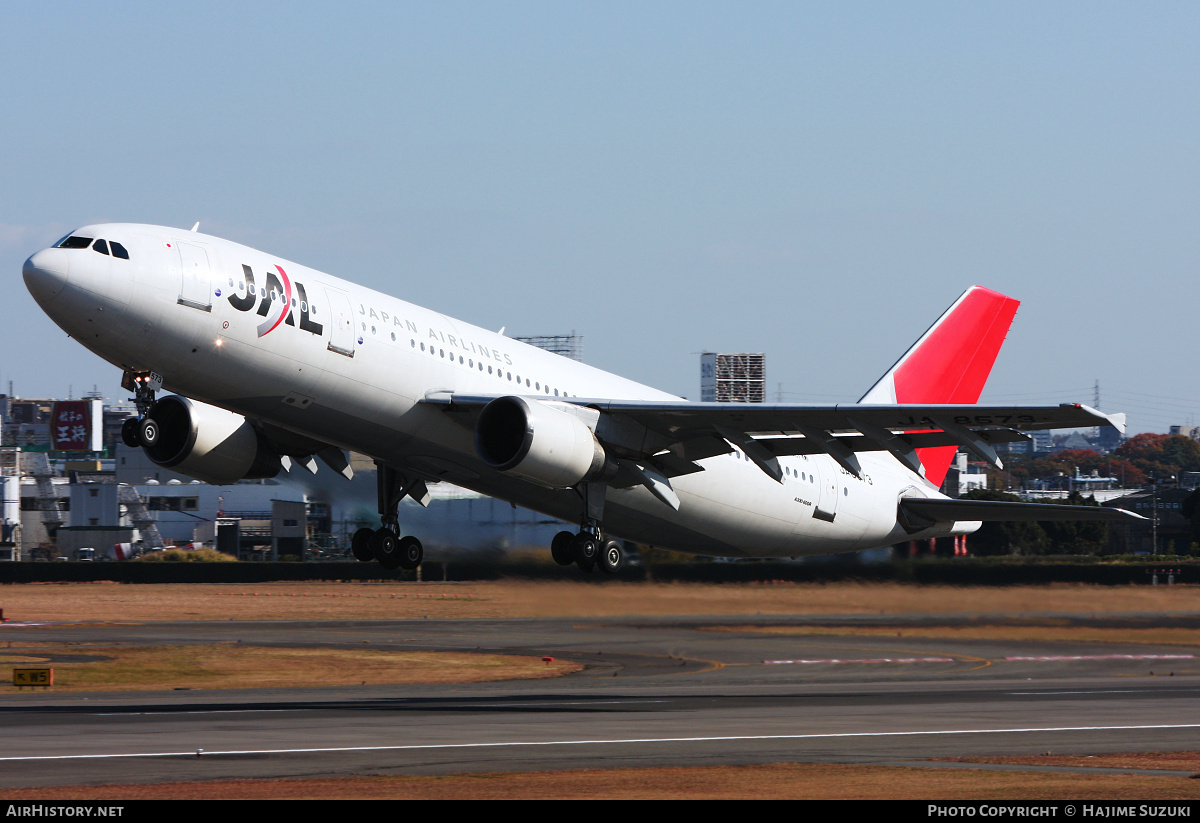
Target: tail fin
column 949, row 363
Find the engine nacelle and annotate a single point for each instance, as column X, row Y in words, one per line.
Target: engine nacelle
column 205, row 442
column 538, row 442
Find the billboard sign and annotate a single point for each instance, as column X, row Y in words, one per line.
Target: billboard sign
column 77, row 425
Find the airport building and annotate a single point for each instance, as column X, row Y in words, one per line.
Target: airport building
column 69, row 487
column 111, row 508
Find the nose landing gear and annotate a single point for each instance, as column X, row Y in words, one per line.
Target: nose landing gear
column 140, row 430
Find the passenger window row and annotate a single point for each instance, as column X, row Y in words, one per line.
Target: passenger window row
column 787, row 470
column 470, row 363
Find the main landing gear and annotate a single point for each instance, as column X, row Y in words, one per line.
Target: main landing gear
column 589, row 549
column 386, row 546
column 385, row 543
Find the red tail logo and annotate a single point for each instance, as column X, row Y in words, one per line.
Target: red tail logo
column 950, row 363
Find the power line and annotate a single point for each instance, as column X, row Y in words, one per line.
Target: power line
column 1047, row 393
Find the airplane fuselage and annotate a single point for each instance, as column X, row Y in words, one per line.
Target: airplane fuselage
column 342, row 364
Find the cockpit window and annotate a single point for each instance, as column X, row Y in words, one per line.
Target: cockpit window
column 101, row 247
column 74, row 242
column 119, row 251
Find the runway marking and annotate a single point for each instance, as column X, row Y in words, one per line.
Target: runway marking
column 1108, row 657
column 916, row 655
column 868, row 660
column 599, row 742
column 1107, row 691
column 576, row 703
column 197, row 711
column 481, row 705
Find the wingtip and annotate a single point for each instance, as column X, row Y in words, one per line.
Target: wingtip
column 1130, row 515
column 1116, row 420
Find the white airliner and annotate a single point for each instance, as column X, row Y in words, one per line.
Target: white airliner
column 275, row 364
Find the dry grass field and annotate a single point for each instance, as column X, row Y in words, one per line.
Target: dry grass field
column 124, row 603
column 776, row 781
column 238, row 666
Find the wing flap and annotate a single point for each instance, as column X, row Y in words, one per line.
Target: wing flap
column 782, row 446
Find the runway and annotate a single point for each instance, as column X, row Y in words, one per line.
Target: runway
column 655, row 692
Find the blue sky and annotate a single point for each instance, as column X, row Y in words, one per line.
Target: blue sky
column 815, row 181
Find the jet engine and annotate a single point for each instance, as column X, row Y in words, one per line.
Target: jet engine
column 205, row 442
column 540, row 443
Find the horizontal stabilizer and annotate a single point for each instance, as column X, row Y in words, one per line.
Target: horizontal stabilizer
column 963, row 511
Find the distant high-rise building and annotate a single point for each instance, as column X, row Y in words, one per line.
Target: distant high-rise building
column 568, row 345
column 1043, row 442
column 733, row 378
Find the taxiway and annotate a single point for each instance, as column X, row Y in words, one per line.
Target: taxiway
column 654, row 692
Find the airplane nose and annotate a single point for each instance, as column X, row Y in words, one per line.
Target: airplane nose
column 46, row 274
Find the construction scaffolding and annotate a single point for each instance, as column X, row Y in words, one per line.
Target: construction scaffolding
column 568, row 345
column 37, row 466
column 10, row 503
column 733, row 378
column 140, row 517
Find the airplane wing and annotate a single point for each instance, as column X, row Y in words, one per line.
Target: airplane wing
column 669, row 436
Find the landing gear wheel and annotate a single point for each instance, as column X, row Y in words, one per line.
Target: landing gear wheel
column 148, row 432
column 360, row 545
column 385, row 546
column 611, row 557
column 585, row 547
column 560, row 548
column 129, row 433
column 410, row 552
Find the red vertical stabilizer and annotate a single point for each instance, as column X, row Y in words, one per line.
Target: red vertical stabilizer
column 949, row 363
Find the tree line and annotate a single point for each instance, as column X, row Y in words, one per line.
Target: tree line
column 1136, row 462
